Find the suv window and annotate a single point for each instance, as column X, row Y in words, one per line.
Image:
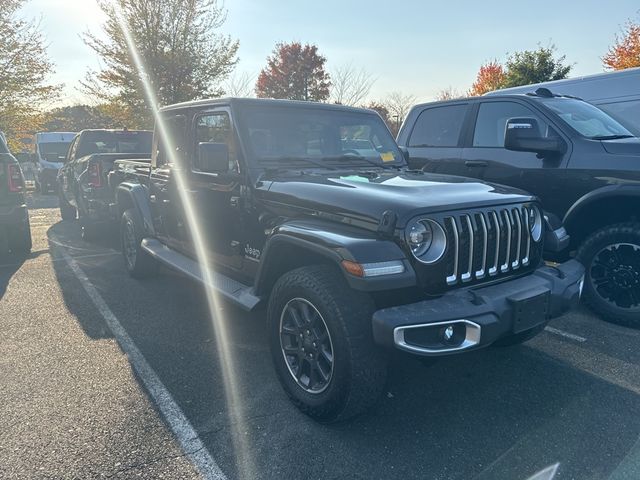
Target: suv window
column 176, row 127
column 492, row 121
column 438, row 127
column 216, row 128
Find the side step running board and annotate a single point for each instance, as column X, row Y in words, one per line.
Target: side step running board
column 232, row 290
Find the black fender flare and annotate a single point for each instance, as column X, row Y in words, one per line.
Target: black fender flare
column 135, row 195
column 593, row 196
column 334, row 244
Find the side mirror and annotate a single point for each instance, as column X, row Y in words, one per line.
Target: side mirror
column 213, row 157
column 523, row 135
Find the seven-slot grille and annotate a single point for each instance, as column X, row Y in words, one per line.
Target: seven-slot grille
column 487, row 244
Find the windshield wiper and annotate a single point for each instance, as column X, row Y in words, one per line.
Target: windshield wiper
column 313, row 161
column 360, row 157
column 611, row 137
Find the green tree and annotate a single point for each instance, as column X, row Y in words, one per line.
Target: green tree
column 534, row 66
column 24, row 73
column 185, row 57
column 294, row 72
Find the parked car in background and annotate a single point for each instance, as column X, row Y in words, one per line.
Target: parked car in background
column 50, row 150
column 308, row 208
column 617, row 93
column 83, row 188
column 15, row 233
column 582, row 163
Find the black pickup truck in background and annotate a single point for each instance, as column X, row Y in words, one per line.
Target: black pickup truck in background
column 15, row 232
column 309, row 209
column 83, row 186
column 581, row 163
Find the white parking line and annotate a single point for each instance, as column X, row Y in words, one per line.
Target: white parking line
column 562, row 333
column 185, row 433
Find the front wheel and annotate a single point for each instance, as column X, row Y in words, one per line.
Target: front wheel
column 138, row 263
column 322, row 344
column 611, row 257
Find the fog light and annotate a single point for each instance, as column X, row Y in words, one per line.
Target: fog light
column 448, row 333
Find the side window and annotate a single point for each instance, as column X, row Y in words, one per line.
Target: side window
column 172, row 149
column 216, row 128
column 492, row 121
column 438, row 127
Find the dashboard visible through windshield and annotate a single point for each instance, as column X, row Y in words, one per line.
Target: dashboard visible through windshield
column 322, row 137
column 588, row 120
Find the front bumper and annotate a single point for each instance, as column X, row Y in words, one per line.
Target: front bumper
column 472, row 318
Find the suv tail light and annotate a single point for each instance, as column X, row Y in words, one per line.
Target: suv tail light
column 94, row 175
column 16, row 182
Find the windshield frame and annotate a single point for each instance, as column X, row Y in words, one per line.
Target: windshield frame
column 308, row 162
column 548, row 104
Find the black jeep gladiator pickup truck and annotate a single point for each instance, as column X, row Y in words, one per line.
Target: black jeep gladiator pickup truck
column 580, row 162
column 83, row 188
column 309, row 208
column 15, row 232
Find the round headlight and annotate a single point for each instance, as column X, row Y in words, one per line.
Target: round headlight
column 419, row 238
column 535, row 223
column 426, row 239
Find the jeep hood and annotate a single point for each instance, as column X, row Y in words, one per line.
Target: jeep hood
column 624, row 146
column 366, row 197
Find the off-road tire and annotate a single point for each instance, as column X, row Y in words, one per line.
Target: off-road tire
column 628, row 232
column 139, row 263
column 20, row 239
column 67, row 211
column 359, row 366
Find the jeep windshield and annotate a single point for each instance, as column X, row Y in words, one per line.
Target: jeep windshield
column 588, row 120
column 325, row 138
column 115, row 142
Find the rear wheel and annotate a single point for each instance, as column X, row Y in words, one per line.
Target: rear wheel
column 138, row 263
column 67, row 211
column 322, row 344
column 611, row 257
column 20, row 239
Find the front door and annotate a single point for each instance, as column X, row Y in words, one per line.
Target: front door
column 543, row 177
column 215, row 197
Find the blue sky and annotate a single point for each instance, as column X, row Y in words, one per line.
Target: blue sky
column 411, row 46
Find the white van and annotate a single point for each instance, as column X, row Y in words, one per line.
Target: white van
column 617, row 93
column 51, row 150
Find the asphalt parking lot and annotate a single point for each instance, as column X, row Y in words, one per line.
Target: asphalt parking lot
column 105, row 376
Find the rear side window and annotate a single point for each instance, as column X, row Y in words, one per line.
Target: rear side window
column 173, row 149
column 438, row 127
column 627, row 113
column 492, row 121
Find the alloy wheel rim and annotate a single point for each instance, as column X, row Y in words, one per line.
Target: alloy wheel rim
column 615, row 275
column 306, row 345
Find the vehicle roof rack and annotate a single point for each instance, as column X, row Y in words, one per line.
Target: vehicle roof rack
column 546, row 93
